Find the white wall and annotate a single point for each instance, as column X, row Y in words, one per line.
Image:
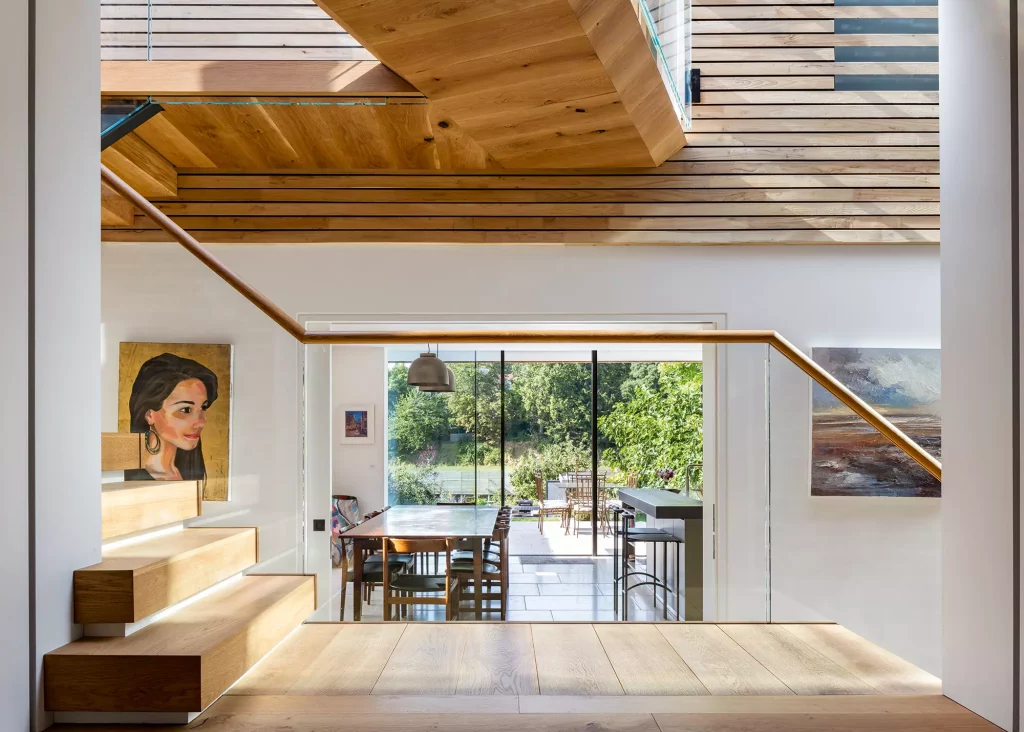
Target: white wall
column 812, row 296
column 359, row 376
column 164, row 295
column 977, row 368
column 14, row 367
column 67, row 310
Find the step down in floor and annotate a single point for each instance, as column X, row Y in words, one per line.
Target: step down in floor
column 137, row 505
column 142, row 578
column 183, row 662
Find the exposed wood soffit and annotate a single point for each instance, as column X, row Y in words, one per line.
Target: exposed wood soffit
column 141, row 166
column 115, row 210
column 539, row 84
column 252, row 78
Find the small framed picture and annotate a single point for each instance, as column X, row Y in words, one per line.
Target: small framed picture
column 357, row 425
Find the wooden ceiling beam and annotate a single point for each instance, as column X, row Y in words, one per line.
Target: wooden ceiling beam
column 252, row 78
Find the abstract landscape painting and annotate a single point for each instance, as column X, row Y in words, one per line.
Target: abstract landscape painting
column 849, row 457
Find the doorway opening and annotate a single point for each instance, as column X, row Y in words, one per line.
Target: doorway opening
column 527, row 428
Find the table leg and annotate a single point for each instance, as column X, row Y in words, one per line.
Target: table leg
column 478, row 581
column 357, row 582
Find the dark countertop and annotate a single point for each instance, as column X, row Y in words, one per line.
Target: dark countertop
column 661, row 504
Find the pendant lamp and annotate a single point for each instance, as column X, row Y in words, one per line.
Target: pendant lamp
column 450, row 386
column 428, row 370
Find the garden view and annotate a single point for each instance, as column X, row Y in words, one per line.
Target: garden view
column 445, row 447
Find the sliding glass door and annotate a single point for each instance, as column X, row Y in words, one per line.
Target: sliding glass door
column 548, row 443
column 443, row 447
column 522, row 427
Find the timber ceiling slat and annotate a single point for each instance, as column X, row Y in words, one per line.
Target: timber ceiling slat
column 776, row 154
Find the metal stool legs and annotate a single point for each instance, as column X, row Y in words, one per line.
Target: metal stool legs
column 626, row 520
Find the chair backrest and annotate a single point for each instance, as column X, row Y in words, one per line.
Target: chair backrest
column 412, row 546
column 632, row 481
column 584, row 493
column 542, row 486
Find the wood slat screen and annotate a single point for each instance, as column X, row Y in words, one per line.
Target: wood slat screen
column 180, row 30
column 777, row 154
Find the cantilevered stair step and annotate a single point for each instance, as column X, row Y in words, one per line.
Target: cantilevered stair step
column 133, row 506
column 181, row 663
column 135, row 581
column 122, row 451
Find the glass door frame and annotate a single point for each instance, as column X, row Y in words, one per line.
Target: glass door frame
column 593, row 444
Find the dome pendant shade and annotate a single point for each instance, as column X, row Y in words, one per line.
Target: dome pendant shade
column 450, row 386
column 428, row 370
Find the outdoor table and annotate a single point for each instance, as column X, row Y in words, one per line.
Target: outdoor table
column 473, row 524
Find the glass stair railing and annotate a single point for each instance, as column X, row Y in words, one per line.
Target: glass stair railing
column 667, row 24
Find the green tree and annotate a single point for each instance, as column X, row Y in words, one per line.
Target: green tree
column 412, row 484
column 475, row 405
column 555, row 398
column 421, row 419
column 398, row 386
column 659, row 427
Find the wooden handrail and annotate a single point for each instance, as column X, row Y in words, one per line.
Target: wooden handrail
column 295, row 329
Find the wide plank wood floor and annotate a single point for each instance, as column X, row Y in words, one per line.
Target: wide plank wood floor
column 616, row 677
column 580, row 659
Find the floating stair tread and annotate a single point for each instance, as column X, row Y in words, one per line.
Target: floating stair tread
column 137, row 505
column 121, row 451
column 135, row 581
column 183, row 662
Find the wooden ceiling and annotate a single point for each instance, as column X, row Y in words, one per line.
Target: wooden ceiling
column 237, row 133
column 779, row 153
column 537, row 83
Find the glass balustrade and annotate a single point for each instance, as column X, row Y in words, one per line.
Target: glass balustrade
column 854, row 532
column 667, row 24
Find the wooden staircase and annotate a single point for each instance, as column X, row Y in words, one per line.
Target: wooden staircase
column 170, row 621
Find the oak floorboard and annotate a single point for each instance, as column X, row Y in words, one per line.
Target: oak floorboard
column 884, row 671
column 498, row 659
column 324, row 659
column 814, row 722
column 426, row 660
column 787, row 704
column 796, row 664
column 569, row 714
column 645, row 663
column 719, row 662
column 571, row 661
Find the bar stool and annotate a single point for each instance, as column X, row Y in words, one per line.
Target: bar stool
column 626, row 528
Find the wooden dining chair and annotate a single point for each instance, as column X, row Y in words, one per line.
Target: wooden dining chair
column 494, row 571
column 373, row 566
column 402, row 590
column 548, row 507
column 582, row 504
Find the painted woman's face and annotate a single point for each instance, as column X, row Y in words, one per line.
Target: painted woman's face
column 181, row 418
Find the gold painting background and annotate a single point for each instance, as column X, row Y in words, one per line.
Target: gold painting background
column 217, row 433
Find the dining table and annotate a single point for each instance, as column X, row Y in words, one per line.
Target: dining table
column 469, row 524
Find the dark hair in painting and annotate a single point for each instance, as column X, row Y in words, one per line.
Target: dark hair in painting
column 156, row 379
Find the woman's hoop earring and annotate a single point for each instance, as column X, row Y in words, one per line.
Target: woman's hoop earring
column 159, row 444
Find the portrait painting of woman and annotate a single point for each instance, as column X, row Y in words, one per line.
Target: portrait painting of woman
column 172, row 400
